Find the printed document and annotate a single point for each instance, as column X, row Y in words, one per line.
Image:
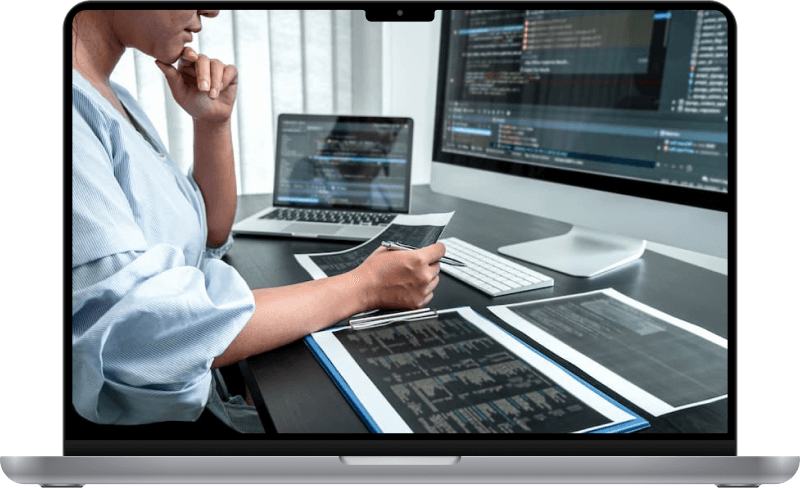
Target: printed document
column 461, row 373
column 657, row 361
column 414, row 230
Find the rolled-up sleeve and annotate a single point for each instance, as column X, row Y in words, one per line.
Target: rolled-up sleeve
column 145, row 335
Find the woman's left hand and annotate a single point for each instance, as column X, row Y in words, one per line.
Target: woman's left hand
column 205, row 88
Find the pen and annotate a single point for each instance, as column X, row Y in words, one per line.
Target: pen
column 392, row 245
column 386, row 319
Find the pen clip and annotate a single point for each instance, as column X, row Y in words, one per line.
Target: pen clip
column 410, row 316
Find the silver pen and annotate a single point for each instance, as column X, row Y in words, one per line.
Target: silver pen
column 386, row 319
column 392, row 245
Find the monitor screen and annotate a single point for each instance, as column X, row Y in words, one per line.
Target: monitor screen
column 343, row 162
column 614, row 98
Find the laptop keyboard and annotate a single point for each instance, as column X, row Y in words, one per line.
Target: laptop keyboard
column 331, row 216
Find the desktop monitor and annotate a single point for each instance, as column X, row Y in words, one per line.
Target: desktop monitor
column 614, row 121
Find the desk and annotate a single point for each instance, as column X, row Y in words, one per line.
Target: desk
column 293, row 392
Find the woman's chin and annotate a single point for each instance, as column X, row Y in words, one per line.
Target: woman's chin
column 170, row 58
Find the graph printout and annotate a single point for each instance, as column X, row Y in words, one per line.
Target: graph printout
column 460, row 373
column 657, row 361
column 414, row 230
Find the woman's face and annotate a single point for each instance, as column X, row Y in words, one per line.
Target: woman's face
column 159, row 33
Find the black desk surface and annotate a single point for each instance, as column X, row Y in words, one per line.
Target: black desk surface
column 293, row 392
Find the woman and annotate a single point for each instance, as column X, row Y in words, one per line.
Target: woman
column 153, row 308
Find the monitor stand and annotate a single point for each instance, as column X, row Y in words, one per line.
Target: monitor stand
column 580, row 252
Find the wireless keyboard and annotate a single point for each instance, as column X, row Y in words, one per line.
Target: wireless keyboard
column 488, row 272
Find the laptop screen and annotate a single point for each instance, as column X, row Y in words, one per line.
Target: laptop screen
column 302, row 405
column 358, row 163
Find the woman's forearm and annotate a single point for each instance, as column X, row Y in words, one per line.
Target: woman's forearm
column 288, row 313
column 386, row 279
column 215, row 175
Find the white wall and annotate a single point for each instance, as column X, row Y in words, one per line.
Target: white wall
column 410, row 57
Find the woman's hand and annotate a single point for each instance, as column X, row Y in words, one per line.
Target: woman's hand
column 205, row 88
column 400, row 279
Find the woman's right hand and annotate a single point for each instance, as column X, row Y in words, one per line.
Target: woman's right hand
column 205, row 88
column 399, row 279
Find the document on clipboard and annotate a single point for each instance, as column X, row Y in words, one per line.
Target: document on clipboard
column 458, row 372
column 414, row 230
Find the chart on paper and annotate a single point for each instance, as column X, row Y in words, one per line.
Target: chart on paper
column 414, row 230
column 445, row 375
column 418, row 236
column 655, row 360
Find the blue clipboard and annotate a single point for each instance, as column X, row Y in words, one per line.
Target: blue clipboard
column 342, row 384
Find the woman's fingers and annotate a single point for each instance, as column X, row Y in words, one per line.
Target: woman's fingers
column 229, row 76
column 202, row 67
column 189, row 54
column 403, row 279
column 197, row 66
column 217, row 70
column 205, row 88
column 433, row 253
column 219, row 75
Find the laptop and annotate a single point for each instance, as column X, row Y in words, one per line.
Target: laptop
column 336, row 177
column 167, row 454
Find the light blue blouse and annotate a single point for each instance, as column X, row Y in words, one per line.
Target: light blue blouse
column 151, row 305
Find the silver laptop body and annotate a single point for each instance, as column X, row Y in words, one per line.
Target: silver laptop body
column 336, row 177
column 607, row 458
column 721, row 471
